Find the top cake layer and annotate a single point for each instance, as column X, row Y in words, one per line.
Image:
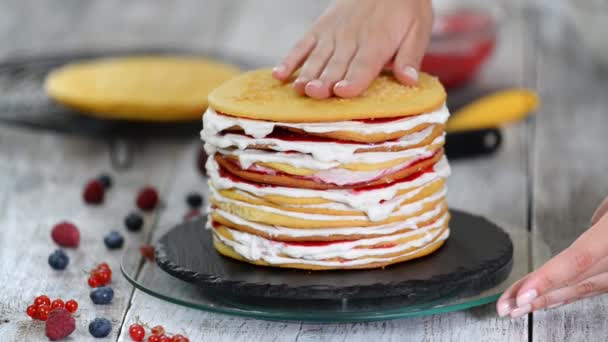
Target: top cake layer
column 257, row 95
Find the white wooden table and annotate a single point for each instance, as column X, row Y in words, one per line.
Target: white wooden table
column 548, row 176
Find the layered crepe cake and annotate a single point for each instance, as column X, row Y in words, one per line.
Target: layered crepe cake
column 326, row 184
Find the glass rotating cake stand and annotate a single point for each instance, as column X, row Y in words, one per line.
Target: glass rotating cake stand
column 154, row 281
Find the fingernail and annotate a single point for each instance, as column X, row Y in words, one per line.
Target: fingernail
column 315, row 84
column 520, row 311
column 505, row 307
column 411, row 73
column 527, row 297
column 279, row 69
column 553, row 306
column 342, row 84
column 300, row 81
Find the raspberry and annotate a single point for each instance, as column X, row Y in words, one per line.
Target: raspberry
column 93, row 192
column 65, row 234
column 59, row 324
column 147, row 199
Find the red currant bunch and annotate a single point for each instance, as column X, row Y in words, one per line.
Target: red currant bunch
column 137, row 331
column 100, row 275
column 42, row 306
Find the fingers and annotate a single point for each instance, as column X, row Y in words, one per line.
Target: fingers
column 410, row 53
column 295, row 58
column 589, row 287
column 315, row 64
column 600, row 211
column 334, row 71
column 365, row 66
column 585, row 259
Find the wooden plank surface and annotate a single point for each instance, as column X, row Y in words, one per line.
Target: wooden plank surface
column 570, row 164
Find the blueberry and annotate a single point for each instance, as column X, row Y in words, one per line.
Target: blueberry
column 105, row 180
column 134, row 222
column 102, row 295
column 100, row 327
column 194, row 200
column 59, row 260
column 113, row 240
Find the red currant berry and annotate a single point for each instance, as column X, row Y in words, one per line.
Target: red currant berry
column 164, row 338
column 93, row 281
column 179, row 338
column 71, row 305
column 137, row 332
column 103, row 265
column 153, row 338
column 57, row 303
column 32, row 311
column 43, row 312
column 103, row 277
column 158, row 330
column 42, row 299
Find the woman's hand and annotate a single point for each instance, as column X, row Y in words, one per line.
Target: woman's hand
column 351, row 43
column 580, row 271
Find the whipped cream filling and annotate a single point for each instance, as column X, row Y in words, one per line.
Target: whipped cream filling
column 368, row 201
column 389, row 228
column 320, row 151
column 255, row 248
column 248, row 157
column 214, row 123
column 406, row 209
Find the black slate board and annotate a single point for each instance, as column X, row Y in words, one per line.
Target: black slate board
column 477, row 256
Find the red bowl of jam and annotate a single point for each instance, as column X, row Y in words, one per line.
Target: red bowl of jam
column 461, row 42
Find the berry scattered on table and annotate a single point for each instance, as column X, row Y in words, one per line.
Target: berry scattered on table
column 158, row 330
column 102, row 295
column 105, row 180
column 179, row 338
column 100, row 275
column 194, row 200
column 201, row 160
column 164, row 338
column 57, row 303
column 134, row 221
column 42, row 312
column 42, row 299
column 137, row 332
column 153, row 338
column 32, row 311
column 94, row 192
column 71, row 305
column 66, row 234
column 59, row 260
column 59, row 324
column 100, row 327
column 147, row 251
column 147, row 199
column 114, row 240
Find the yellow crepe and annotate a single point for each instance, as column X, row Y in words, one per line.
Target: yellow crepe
column 146, row 88
column 257, row 95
